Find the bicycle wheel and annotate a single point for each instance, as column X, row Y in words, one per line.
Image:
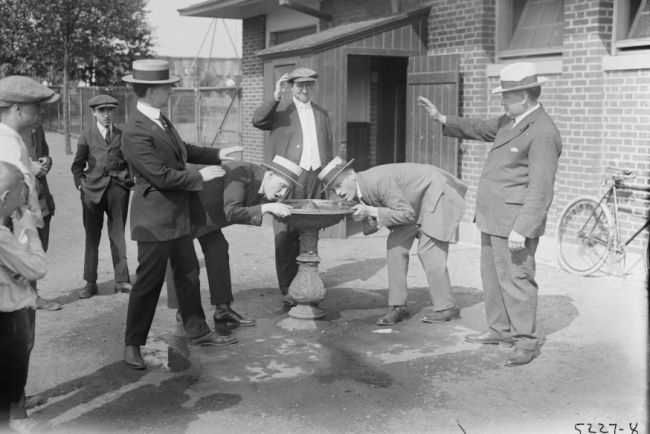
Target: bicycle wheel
column 584, row 236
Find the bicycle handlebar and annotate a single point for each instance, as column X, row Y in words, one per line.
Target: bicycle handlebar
column 618, row 174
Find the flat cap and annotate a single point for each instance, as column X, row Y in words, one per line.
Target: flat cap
column 16, row 89
column 302, row 74
column 103, row 100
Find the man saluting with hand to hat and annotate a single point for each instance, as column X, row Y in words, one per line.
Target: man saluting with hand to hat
column 299, row 131
column 514, row 194
column 165, row 205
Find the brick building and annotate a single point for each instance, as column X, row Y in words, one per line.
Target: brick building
column 375, row 56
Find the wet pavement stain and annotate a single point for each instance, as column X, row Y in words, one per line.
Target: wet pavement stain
column 344, row 364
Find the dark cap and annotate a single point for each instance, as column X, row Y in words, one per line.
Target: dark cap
column 302, row 74
column 103, row 101
column 17, row 89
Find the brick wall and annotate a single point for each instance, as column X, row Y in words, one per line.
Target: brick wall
column 252, row 87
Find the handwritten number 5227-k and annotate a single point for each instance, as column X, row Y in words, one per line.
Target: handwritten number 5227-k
column 609, row 428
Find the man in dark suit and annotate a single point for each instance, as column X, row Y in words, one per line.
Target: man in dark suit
column 299, row 130
column 413, row 201
column 102, row 175
column 513, row 198
column 241, row 196
column 39, row 154
column 164, row 208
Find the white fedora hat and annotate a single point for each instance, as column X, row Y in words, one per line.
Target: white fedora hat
column 332, row 170
column 517, row 76
column 285, row 168
column 150, row 71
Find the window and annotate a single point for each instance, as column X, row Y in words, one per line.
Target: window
column 631, row 25
column 528, row 28
column 277, row 38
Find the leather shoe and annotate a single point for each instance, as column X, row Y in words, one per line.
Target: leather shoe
column 44, row 304
column 224, row 316
column 522, row 357
column 287, row 303
column 132, row 357
column 489, row 337
column 124, row 287
column 395, row 315
column 210, row 339
column 442, row 315
column 89, row 290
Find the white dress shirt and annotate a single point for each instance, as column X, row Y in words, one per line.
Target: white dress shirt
column 310, row 157
column 524, row 114
column 102, row 130
column 152, row 113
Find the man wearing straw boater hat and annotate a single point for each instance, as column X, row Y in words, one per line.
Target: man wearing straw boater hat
column 513, row 198
column 299, row 130
column 413, row 201
column 164, row 208
column 241, row 196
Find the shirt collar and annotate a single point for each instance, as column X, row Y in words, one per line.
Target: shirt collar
column 152, row 113
column 526, row 113
column 302, row 105
column 359, row 195
column 7, row 129
column 102, row 128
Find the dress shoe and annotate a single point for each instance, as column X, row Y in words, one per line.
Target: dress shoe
column 44, row 304
column 442, row 315
column 210, row 339
column 489, row 337
column 395, row 315
column 89, row 290
column 226, row 317
column 124, row 287
column 522, row 357
column 287, row 303
column 132, row 357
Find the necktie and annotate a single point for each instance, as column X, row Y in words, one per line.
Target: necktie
column 164, row 123
column 108, row 136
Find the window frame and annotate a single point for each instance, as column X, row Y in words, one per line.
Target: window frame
column 621, row 44
column 505, row 29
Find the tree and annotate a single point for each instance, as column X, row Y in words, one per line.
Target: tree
column 90, row 40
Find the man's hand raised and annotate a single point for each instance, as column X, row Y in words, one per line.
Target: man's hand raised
column 279, row 85
column 432, row 110
column 211, row 172
column 224, row 154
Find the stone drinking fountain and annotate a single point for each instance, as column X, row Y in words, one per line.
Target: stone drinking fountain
column 309, row 216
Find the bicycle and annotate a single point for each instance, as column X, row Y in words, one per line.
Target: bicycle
column 588, row 231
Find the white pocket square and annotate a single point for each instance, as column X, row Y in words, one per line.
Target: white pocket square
column 514, row 149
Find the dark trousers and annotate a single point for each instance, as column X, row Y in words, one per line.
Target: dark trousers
column 510, row 290
column 14, row 359
column 152, row 262
column 114, row 203
column 217, row 266
column 287, row 239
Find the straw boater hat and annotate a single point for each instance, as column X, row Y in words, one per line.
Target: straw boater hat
column 518, row 76
column 99, row 101
column 285, row 168
column 332, row 170
column 302, row 74
column 150, row 71
column 17, row 89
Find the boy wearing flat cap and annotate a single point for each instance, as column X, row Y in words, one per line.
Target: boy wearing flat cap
column 102, row 176
column 514, row 195
column 299, row 131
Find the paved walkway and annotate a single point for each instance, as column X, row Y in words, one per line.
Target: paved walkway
column 340, row 374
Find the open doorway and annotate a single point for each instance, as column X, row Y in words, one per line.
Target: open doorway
column 376, row 110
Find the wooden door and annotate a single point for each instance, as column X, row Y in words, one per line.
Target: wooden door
column 436, row 78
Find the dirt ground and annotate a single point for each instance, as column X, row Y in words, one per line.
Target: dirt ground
column 342, row 373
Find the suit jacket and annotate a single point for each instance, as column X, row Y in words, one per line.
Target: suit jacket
column 165, row 201
column 285, row 137
column 38, row 148
column 234, row 198
column 410, row 193
column 516, row 187
column 101, row 161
